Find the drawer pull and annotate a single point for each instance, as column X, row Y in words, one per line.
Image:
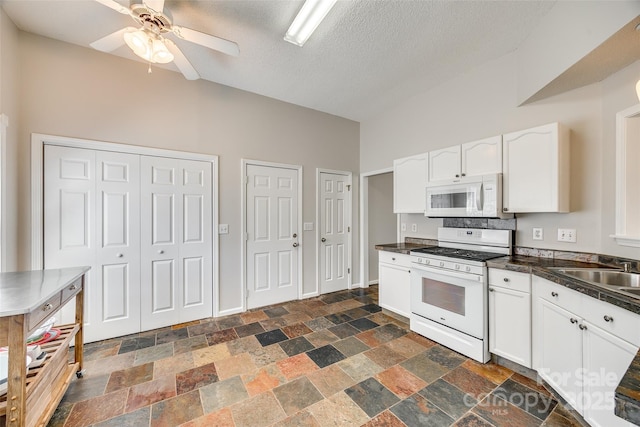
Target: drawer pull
column 582, row 326
column 554, row 294
column 47, row 307
column 506, row 279
column 491, row 290
column 393, row 259
column 608, row 318
column 73, row 287
column 573, row 320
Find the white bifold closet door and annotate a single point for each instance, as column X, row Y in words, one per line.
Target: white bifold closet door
column 176, row 241
column 143, row 224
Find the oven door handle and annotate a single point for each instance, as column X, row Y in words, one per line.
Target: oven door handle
column 419, row 268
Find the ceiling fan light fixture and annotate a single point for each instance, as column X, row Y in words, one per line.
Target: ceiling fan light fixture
column 160, row 53
column 307, row 20
column 138, row 41
column 149, row 47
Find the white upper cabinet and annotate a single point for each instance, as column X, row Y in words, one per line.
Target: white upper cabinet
column 409, row 184
column 536, row 170
column 472, row 158
column 482, row 157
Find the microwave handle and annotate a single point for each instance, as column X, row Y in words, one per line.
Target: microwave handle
column 480, row 198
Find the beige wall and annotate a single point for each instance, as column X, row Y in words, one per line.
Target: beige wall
column 9, row 69
column 73, row 91
column 382, row 220
column 482, row 103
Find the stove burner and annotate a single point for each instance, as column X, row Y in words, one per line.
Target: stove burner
column 458, row 253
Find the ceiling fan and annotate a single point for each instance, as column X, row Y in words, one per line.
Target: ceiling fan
column 149, row 40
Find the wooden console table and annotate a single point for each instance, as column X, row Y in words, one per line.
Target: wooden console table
column 28, row 299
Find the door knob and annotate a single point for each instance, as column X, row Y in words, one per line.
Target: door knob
column 295, row 245
column 323, row 240
column 295, row 235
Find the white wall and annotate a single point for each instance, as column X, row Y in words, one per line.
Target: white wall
column 9, row 69
column 73, row 91
column 382, row 220
column 482, row 103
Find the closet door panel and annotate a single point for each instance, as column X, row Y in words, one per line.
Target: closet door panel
column 118, row 245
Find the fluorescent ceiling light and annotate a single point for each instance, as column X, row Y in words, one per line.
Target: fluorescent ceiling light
column 307, row 20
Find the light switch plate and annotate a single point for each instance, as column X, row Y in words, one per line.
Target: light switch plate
column 414, row 227
column 223, row 228
column 308, row 226
column 567, row 235
column 403, row 226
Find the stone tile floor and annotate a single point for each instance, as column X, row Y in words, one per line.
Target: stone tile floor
column 334, row 360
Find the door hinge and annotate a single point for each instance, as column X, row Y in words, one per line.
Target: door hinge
column 246, row 180
column 348, row 187
column 348, row 229
column 246, row 236
column 348, row 271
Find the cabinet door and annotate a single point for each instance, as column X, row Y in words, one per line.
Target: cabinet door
column 606, row 358
column 536, row 170
column 559, row 345
column 409, row 182
column 444, row 163
column 510, row 324
column 482, row 157
column 394, row 288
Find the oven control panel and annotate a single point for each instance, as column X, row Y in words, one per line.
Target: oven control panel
column 449, row 264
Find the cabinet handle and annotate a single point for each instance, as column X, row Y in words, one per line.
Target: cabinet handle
column 573, row 320
column 160, row 251
column 47, row 307
column 554, row 294
column 505, row 209
column 608, row 318
column 119, row 255
column 73, row 287
column 491, row 290
column 506, row 279
column 582, row 326
column 464, row 174
column 457, row 175
column 393, row 259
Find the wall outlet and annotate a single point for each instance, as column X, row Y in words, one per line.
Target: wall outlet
column 403, row 226
column 223, row 228
column 538, row 233
column 414, row 228
column 567, row 235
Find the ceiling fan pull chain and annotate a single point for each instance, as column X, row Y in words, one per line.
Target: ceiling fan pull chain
column 149, row 70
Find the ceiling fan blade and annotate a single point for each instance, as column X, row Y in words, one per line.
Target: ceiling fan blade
column 207, row 40
column 155, row 5
column 115, row 6
column 181, row 61
column 112, row 41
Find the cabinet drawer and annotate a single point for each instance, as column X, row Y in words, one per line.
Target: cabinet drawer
column 44, row 311
column 619, row 322
column 395, row 258
column 557, row 294
column 510, row 280
column 71, row 289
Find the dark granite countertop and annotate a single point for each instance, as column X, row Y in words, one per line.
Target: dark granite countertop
column 627, row 395
column 402, row 248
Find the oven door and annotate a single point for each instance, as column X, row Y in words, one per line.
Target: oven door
column 456, row 300
column 454, row 200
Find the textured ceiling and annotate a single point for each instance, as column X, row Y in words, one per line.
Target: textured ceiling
column 366, row 56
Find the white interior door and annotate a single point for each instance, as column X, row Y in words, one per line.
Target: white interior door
column 272, row 235
column 335, row 226
column 176, row 241
column 69, row 218
column 117, row 275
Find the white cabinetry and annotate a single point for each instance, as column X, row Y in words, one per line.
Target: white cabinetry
column 536, row 170
column 510, row 315
column 472, row 158
column 582, row 347
column 409, row 182
column 394, row 282
column 144, row 225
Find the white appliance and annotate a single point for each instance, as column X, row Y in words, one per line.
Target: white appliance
column 471, row 196
column 449, row 291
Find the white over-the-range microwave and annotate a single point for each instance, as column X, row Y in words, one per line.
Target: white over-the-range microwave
column 472, row 196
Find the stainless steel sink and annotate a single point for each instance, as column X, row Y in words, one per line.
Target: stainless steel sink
column 613, row 280
column 606, row 277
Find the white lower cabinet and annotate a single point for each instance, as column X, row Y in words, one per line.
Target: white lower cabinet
column 577, row 352
column 510, row 315
column 394, row 282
